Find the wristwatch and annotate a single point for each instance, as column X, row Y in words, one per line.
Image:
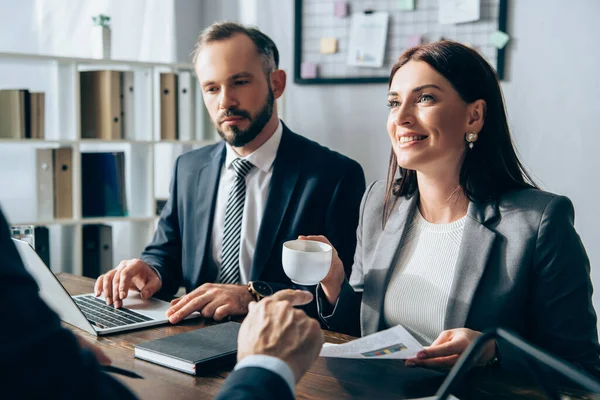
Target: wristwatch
column 259, row 289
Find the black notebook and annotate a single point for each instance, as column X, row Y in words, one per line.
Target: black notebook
column 197, row 352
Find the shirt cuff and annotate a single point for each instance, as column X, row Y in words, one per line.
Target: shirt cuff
column 156, row 270
column 325, row 309
column 273, row 364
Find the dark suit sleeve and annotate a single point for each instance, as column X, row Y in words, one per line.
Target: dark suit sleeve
column 342, row 213
column 164, row 252
column 38, row 357
column 253, row 383
column 345, row 315
column 561, row 299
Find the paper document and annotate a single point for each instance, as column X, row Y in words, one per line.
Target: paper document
column 393, row 343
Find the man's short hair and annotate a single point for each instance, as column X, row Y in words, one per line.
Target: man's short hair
column 224, row 30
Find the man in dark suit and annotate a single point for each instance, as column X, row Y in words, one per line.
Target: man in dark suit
column 38, row 357
column 233, row 204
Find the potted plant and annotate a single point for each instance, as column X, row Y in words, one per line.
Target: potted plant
column 101, row 36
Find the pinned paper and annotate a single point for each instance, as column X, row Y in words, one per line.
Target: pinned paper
column 308, row 70
column 328, row 45
column 340, row 9
column 499, row 39
column 407, row 5
column 459, row 11
column 414, row 40
column 368, row 36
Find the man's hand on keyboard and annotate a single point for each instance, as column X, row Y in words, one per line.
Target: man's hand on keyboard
column 129, row 274
column 212, row 300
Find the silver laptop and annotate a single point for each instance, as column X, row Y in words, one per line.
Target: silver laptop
column 86, row 311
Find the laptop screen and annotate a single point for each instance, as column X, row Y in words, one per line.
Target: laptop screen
column 51, row 290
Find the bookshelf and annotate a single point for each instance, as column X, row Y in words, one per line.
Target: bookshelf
column 148, row 159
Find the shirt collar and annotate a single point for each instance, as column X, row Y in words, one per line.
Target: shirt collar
column 263, row 157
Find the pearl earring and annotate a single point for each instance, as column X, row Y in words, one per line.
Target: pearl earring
column 471, row 137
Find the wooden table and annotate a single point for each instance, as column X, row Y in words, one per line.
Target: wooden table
column 327, row 378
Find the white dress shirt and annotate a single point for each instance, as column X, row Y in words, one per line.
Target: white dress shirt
column 258, row 182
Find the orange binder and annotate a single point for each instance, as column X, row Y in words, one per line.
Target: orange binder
column 13, row 124
column 168, row 106
column 36, row 100
column 63, row 182
column 100, row 97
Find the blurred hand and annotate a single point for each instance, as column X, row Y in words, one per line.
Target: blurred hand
column 447, row 348
column 275, row 328
column 212, row 300
column 332, row 283
column 102, row 358
column 129, row 274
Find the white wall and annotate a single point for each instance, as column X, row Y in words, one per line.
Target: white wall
column 188, row 23
column 553, row 105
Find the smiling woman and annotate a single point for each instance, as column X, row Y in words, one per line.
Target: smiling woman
column 458, row 93
column 459, row 239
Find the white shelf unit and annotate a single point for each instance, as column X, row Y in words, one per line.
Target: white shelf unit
column 148, row 160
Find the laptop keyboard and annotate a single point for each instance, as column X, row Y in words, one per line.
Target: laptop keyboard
column 103, row 316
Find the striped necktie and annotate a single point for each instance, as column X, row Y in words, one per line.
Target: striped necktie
column 230, row 260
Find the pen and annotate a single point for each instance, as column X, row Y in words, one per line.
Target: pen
column 121, row 371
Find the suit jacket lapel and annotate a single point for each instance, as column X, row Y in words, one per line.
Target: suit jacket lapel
column 206, row 196
column 285, row 175
column 386, row 255
column 475, row 249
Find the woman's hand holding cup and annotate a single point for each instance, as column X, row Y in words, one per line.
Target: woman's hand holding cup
column 332, row 283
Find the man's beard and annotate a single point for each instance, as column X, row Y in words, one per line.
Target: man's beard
column 239, row 137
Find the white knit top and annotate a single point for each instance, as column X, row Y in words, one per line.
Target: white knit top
column 419, row 288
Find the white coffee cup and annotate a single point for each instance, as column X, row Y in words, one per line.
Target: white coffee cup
column 306, row 262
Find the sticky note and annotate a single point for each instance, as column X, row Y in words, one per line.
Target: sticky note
column 414, row 40
column 407, row 5
column 499, row 39
column 340, row 9
column 308, row 70
column 328, row 45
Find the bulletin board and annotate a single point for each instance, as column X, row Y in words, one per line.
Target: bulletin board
column 316, row 19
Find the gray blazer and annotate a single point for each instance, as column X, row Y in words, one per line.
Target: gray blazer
column 521, row 266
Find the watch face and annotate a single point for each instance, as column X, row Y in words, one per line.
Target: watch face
column 262, row 288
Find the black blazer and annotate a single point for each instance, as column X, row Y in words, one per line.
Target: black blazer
column 38, row 357
column 313, row 191
column 253, row 383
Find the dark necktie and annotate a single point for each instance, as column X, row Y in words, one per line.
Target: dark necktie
column 230, row 253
